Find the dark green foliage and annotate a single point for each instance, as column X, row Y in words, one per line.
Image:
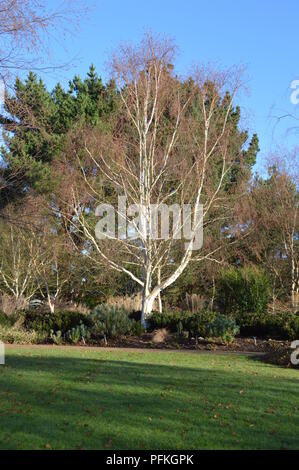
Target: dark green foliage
column 199, row 324
column 114, row 322
column 282, row 326
column 110, row 321
column 9, row 320
column 224, row 327
column 136, row 328
column 33, row 144
column 39, row 120
column 243, row 290
column 135, row 315
column 169, row 320
column 62, row 321
column 4, row 319
column 204, row 324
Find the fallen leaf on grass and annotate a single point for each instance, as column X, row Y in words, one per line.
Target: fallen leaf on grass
column 108, row 444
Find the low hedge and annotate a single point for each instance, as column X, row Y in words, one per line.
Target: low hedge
column 204, row 324
column 62, row 321
column 194, row 323
column 169, row 320
column 113, row 322
column 282, row 326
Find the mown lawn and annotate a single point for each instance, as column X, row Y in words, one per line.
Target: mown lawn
column 84, row 399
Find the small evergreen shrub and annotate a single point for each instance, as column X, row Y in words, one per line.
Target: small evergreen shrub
column 78, row 334
column 136, row 328
column 56, row 337
column 199, row 324
column 110, row 321
column 224, row 327
column 74, row 335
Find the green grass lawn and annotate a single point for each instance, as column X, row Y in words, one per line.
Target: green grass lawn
column 85, row 399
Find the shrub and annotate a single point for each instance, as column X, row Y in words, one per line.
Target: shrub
column 282, row 326
column 78, row 333
column 74, row 335
column 181, row 333
column 204, row 324
column 135, row 315
column 4, row 319
column 243, row 290
column 20, row 336
column 56, row 337
column 199, row 324
column 110, row 321
column 62, row 321
column 169, row 320
column 136, row 328
column 9, row 320
column 224, row 327
column 196, row 324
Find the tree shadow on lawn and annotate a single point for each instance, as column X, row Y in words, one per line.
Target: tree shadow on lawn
column 63, row 402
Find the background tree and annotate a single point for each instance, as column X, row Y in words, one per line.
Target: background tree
column 17, row 258
column 271, row 213
column 25, row 27
column 25, row 30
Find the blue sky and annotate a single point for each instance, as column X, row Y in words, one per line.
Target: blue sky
column 262, row 35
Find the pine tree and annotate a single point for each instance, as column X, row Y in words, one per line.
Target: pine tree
column 36, row 123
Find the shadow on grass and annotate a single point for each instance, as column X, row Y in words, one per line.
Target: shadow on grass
column 83, row 402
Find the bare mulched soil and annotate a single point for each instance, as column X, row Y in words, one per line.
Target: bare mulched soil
column 271, row 351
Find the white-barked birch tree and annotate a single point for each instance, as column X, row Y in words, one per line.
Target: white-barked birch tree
column 170, row 148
